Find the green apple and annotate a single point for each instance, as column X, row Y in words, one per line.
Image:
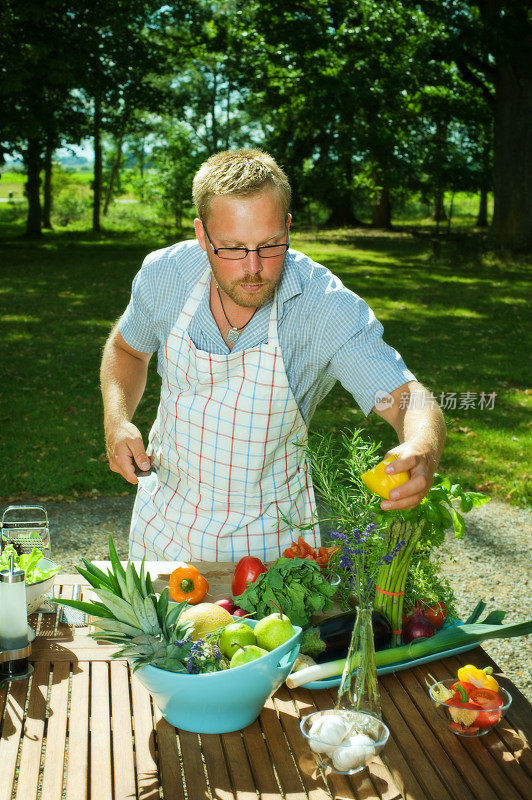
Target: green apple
column 233, row 635
column 273, row 631
column 246, row 654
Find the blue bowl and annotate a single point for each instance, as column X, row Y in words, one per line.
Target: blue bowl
column 220, row 702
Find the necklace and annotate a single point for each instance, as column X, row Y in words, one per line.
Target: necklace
column 233, row 334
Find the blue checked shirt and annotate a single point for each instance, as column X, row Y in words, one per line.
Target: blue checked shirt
column 326, row 332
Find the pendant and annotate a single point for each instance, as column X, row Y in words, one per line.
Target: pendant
column 232, row 335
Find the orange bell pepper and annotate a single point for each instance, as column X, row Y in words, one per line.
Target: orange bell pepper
column 379, row 482
column 187, row 584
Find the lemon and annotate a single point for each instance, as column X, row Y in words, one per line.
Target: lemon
column 207, row 617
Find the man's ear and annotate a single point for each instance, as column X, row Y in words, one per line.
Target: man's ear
column 288, row 221
column 200, row 233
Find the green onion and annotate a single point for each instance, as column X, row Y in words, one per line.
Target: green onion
column 446, row 639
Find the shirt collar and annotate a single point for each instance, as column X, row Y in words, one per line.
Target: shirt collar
column 290, row 284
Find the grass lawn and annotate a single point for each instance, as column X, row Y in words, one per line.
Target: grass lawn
column 458, row 322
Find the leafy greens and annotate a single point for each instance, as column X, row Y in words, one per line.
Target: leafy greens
column 28, row 562
column 295, row 585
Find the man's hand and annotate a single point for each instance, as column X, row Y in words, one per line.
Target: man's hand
column 421, row 475
column 125, row 449
column 418, row 421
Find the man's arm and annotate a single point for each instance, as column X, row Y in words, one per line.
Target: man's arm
column 123, row 379
column 420, row 427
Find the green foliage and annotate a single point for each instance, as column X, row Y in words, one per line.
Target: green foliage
column 295, row 586
column 425, row 585
column 453, row 320
column 71, row 205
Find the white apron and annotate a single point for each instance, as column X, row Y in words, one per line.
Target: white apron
column 224, row 447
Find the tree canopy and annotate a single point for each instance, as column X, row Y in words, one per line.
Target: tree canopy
column 359, row 101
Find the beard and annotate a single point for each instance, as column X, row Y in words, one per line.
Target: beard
column 233, row 289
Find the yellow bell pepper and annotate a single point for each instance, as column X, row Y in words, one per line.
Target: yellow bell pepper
column 379, row 482
column 482, row 678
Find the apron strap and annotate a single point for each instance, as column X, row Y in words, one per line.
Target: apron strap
column 191, row 305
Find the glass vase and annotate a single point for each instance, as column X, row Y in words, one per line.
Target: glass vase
column 358, row 690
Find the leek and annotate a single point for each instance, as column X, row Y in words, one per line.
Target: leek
column 446, row 639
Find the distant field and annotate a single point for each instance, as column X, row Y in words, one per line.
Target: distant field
column 414, row 212
column 11, row 181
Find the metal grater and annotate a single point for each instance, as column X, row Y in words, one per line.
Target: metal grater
column 26, row 527
column 73, row 616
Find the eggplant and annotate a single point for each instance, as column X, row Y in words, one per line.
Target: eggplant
column 330, row 640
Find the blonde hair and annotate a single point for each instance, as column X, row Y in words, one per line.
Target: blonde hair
column 241, row 173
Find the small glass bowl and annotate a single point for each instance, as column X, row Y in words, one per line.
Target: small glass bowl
column 458, row 721
column 348, row 757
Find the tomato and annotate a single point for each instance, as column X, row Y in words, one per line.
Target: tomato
column 436, row 614
column 486, row 701
column 465, row 730
column 300, row 549
column 489, row 701
column 247, row 571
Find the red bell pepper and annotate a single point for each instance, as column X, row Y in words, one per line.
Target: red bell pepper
column 247, row 571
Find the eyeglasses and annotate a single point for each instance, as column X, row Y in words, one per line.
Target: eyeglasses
column 239, row 253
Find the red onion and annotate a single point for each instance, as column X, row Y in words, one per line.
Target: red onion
column 226, row 603
column 417, row 627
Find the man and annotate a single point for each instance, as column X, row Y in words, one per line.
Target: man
column 250, row 335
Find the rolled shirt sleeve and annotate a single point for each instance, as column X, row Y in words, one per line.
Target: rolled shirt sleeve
column 367, row 367
column 136, row 324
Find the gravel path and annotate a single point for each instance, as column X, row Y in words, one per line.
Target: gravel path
column 491, row 562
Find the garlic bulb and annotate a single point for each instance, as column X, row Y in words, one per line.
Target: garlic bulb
column 330, row 729
column 358, row 749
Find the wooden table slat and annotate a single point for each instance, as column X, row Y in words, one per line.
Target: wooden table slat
column 52, row 779
column 147, row 773
column 100, row 734
column 452, row 746
column 11, row 734
column 78, row 740
column 259, row 759
column 238, row 765
column 468, row 753
column 217, row 772
column 431, row 749
column 122, row 734
column 33, row 731
column 425, row 779
column 195, row 779
column 290, row 710
column 281, row 754
column 169, row 760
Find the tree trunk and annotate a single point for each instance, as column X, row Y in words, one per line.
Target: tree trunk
column 47, row 204
column 382, row 210
column 512, row 156
column 214, row 121
column 32, row 160
column 114, row 172
column 482, row 218
column 341, row 201
column 97, row 182
column 439, row 208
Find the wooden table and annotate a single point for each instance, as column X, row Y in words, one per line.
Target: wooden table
column 82, row 727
